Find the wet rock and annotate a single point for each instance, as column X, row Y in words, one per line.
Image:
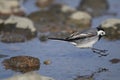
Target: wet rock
column 112, row 28
column 17, row 29
column 80, row 18
column 115, row 60
column 62, row 8
column 12, row 38
column 9, row 7
column 44, row 3
column 21, row 22
column 94, row 7
column 22, row 63
column 29, row 76
column 47, row 62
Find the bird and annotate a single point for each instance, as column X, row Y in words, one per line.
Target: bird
column 86, row 39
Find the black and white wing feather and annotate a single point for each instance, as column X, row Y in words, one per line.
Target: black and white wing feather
column 82, row 35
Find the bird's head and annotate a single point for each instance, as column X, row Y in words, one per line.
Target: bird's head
column 100, row 31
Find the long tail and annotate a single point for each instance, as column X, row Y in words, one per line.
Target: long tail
column 58, row 39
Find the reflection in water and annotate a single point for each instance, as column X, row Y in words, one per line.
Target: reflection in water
column 92, row 75
column 29, row 76
column 2, row 55
column 22, row 63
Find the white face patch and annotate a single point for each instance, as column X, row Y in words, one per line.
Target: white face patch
column 101, row 32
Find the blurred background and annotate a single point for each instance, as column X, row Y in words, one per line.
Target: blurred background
column 27, row 54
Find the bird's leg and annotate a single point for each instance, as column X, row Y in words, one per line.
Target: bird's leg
column 100, row 52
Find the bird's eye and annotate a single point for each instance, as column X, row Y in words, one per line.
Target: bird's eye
column 103, row 33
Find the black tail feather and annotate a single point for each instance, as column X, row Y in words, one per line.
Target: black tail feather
column 58, row 39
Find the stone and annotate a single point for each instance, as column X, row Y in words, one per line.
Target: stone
column 21, row 22
column 29, row 76
column 22, row 63
column 44, row 3
column 94, row 7
column 47, row 62
column 80, row 18
column 114, row 60
column 9, row 7
column 112, row 28
column 17, row 29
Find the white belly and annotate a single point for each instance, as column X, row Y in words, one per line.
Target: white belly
column 87, row 44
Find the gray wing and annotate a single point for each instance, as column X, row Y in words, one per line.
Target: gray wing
column 82, row 35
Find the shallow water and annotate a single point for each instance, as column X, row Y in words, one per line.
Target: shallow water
column 68, row 62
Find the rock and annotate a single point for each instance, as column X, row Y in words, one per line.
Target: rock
column 17, row 29
column 110, row 23
column 12, row 38
column 80, row 18
column 47, row 62
column 29, row 76
column 9, row 7
column 66, row 8
column 44, row 3
column 22, row 63
column 62, row 8
column 115, row 60
column 21, row 22
column 112, row 28
column 94, row 7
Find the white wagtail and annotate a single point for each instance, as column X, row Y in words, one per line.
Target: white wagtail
column 86, row 39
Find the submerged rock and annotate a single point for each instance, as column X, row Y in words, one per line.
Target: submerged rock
column 112, row 28
column 115, row 60
column 29, row 76
column 2, row 55
column 94, row 7
column 22, row 63
column 17, row 29
column 47, row 62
